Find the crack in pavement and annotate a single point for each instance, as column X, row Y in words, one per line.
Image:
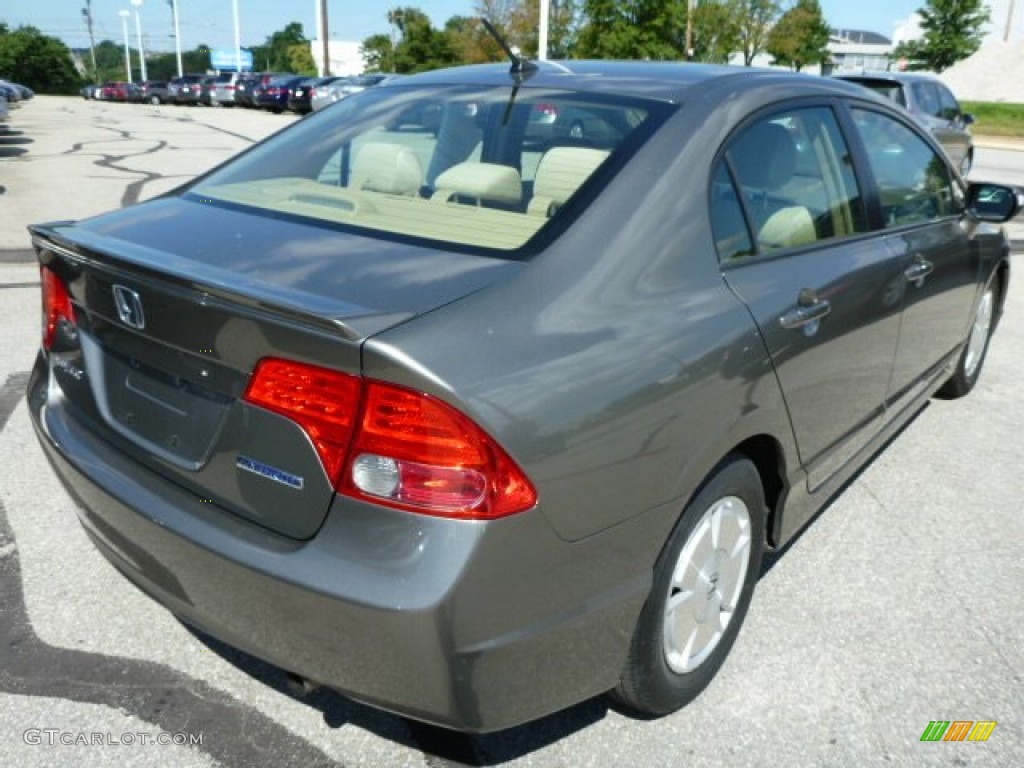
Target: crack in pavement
column 155, row 693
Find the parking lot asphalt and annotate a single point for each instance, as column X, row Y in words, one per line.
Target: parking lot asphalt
column 900, row 605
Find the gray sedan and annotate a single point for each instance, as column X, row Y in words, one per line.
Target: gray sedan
column 472, row 419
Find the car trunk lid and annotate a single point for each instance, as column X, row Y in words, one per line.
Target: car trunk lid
column 168, row 335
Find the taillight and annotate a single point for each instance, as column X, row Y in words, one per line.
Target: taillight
column 416, row 452
column 321, row 401
column 404, row 448
column 56, row 305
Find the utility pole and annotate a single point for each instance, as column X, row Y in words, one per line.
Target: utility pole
column 542, row 38
column 87, row 13
column 324, row 38
column 1009, row 23
column 177, row 35
column 689, row 29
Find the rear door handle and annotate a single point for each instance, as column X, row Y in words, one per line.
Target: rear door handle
column 809, row 308
column 918, row 271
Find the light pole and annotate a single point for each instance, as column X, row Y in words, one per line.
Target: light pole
column 542, row 37
column 127, row 56
column 177, row 36
column 238, row 39
column 689, row 29
column 138, row 33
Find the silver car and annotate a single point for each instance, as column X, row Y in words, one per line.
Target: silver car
column 473, row 420
column 929, row 100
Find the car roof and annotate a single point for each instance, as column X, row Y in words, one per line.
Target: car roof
column 660, row 80
column 893, row 77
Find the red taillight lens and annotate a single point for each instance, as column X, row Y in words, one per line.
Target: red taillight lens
column 414, row 452
column 405, row 449
column 56, row 305
column 321, row 401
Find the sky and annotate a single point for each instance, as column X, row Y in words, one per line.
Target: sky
column 210, row 22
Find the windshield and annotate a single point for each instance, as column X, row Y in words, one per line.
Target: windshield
column 471, row 166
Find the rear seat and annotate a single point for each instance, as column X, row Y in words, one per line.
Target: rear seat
column 389, row 168
column 561, row 171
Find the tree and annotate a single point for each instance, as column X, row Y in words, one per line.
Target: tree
column 800, row 36
column 286, row 50
column 41, row 62
column 716, row 34
column 378, row 52
column 952, row 32
column 420, row 46
column 633, row 29
column 754, row 19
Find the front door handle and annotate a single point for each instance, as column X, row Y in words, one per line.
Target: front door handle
column 809, row 309
column 918, row 271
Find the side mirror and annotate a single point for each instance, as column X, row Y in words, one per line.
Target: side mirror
column 967, row 118
column 993, row 202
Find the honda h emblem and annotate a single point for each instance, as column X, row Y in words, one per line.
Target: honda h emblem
column 129, row 307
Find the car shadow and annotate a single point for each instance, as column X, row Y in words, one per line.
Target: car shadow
column 459, row 748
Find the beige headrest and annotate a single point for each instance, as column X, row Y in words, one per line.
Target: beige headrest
column 562, row 170
column 389, row 168
column 483, row 181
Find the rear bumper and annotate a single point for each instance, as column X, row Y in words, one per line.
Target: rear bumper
column 473, row 626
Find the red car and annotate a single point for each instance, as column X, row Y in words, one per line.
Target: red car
column 117, row 91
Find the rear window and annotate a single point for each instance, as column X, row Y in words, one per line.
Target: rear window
column 887, row 88
column 477, row 167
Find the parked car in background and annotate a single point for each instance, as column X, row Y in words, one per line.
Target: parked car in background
column 206, row 86
column 22, row 92
column 10, row 93
column 254, row 82
column 477, row 425
column 119, row 91
column 929, row 100
column 225, row 86
column 151, row 92
column 301, row 98
column 4, row 112
column 273, row 95
column 340, row 90
column 321, row 96
column 186, row 89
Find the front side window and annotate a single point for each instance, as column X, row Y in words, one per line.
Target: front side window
column 472, row 165
column 927, row 98
column 914, row 182
column 795, row 179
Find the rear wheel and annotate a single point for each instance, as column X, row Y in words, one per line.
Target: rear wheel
column 968, row 367
column 703, row 584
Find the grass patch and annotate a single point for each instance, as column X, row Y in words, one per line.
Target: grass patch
column 996, row 118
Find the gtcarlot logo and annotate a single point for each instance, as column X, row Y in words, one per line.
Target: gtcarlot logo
column 51, row 737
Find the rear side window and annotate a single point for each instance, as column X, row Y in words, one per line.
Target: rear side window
column 926, row 96
column 914, row 181
column 948, row 107
column 476, row 166
column 793, row 179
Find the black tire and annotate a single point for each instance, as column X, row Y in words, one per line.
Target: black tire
column 972, row 358
column 652, row 681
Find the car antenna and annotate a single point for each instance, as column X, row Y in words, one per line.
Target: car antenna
column 522, row 68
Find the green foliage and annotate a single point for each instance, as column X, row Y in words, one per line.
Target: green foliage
column 952, row 32
column 800, row 36
column 716, row 33
column 280, row 52
column 42, row 63
column 754, row 19
column 416, row 47
column 996, row 119
column 633, row 29
column 379, row 53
